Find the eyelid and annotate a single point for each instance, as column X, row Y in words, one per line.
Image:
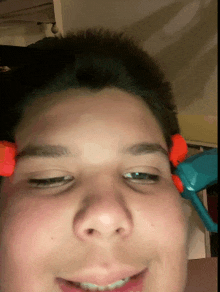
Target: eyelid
column 55, row 184
column 34, row 178
column 145, row 169
column 151, row 178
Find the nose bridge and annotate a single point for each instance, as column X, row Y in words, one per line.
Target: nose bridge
column 103, row 188
column 103, row 177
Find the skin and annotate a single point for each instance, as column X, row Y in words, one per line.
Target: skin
column 43, row 230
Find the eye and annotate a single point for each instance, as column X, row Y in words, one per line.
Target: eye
column 58, row 181
column 142, row 177
column 50, row 182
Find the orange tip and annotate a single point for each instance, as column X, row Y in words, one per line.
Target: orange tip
column 178, row 183
column 7, row 158
column 179, row 150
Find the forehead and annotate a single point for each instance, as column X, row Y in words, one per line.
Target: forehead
column 85, row 100
column 80, row 108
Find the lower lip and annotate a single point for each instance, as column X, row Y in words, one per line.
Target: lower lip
column 135, row 284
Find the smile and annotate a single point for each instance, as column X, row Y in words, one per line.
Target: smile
column 134, row 284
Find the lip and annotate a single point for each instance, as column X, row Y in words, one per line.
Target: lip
column 135, row 284
column 118, row 275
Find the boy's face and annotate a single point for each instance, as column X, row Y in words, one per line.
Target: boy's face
column 99, row 225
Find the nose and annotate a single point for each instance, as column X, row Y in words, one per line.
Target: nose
column 103, row 217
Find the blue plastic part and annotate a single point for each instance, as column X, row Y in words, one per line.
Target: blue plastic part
column 197, row 173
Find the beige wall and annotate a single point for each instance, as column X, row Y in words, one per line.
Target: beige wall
column 199, row 128
column 23, row 34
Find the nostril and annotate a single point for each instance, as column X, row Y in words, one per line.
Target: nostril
column 90, row 231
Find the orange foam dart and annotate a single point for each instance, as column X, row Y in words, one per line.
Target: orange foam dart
column 8, row 152
column 178, row 183
column 179, row 150
column 177, row 155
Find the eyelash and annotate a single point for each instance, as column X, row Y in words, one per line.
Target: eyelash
column 48, row 182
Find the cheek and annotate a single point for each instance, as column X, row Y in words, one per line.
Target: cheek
column 29, row 224
column 163, row 216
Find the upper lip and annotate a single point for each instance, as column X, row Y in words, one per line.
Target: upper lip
column 104, row 280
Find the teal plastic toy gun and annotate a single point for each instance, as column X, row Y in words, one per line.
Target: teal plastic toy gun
column 197, row 173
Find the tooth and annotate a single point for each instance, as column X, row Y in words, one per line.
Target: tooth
column 94, row 287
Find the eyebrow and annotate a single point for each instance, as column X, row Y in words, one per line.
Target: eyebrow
column 57, row 151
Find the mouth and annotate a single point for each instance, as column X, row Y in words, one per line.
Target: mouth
column 135, row 284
